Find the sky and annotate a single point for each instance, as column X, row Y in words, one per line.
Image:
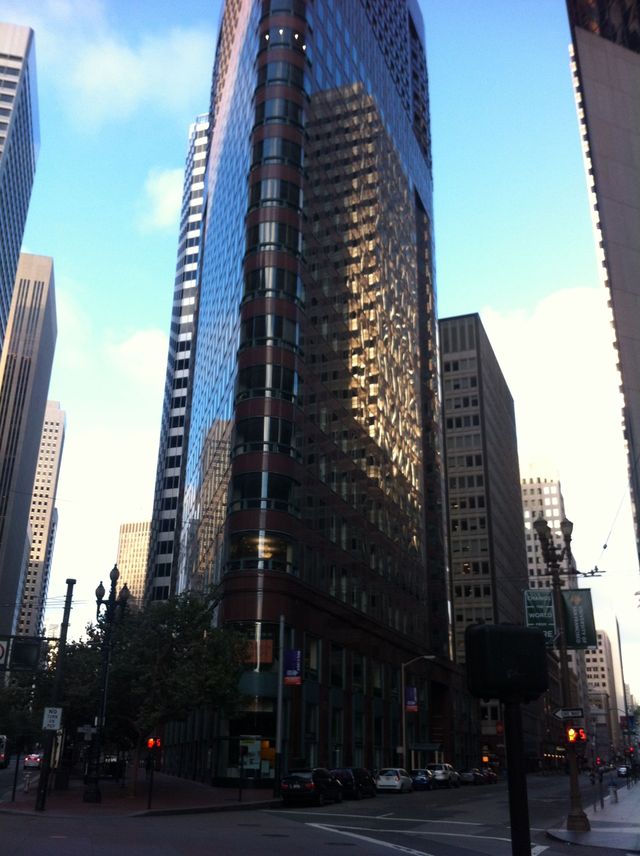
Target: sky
column 119, row 84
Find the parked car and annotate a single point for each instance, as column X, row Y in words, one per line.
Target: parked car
column 356, row 782
column 316, row 785
column 423, row 780
column 33, row 761
column 445, row 775
column 472, row 776
column 394, row 779
column 490, row 775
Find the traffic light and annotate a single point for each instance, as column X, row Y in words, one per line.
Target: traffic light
column 153, row 743
column 576, row 735
column 598, row 761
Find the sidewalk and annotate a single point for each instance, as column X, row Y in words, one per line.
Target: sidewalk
column 170, row 795
column 616, row 826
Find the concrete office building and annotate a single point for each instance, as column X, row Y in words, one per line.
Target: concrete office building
column 606, row 67
column 133, row 552
column 167, row 502
column 486, row 534
column 19, row 142
column 603, row 704
column 25, row 370
column 313, row 485
column 43, row 521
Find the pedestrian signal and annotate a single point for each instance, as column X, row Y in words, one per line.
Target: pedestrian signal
column 576, row 735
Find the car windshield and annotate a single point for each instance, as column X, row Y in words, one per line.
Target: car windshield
column 301, row 774
column 389, row 772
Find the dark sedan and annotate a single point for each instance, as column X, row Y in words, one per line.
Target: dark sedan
column 316, row 785
column 356, row 782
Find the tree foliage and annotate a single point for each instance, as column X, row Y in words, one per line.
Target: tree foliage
column 165, row 661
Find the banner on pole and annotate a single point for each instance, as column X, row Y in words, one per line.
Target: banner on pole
column 539, row 614
column 579, row 623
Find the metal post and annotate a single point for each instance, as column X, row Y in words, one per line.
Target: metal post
column 403, row 702
column 517, row 781
column 277, row 773
column 577, row 820
column 43, row 781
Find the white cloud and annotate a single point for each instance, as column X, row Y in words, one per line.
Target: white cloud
column 142, row 357
column 162, row 199
column 103, row 75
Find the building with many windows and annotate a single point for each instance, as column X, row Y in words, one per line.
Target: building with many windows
column 167, row 503
column 603, row 706
column 133, row 551
column 19, row 142
column 25, row 370
column 313, row 484
column 606, row 68
column 43, row 520
column 486, row 535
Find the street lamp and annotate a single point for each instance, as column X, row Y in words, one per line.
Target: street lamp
column 404, row 702
column 576, row 819
column 113, row 608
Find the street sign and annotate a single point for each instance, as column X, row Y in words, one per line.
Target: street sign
column 568, row 713
column 52, row 718
column 538, row 605
column 4, row 649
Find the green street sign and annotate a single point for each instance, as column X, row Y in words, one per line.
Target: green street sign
column 538, row 608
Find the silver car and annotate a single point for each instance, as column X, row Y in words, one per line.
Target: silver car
column 445, row 775
column 394, row 779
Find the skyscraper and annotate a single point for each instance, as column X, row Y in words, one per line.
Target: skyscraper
column 43, row 520
column 133, row 550
column 19, row 141
column 486, row 533
column 167, row 503
column 313, row 484
column 606, row 53
column 25, row 370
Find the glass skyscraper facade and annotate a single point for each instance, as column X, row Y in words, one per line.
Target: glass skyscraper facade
column 19, row 143
column 313, row 486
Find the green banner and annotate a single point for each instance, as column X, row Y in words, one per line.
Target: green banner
column 538, row 609
column 580, row 627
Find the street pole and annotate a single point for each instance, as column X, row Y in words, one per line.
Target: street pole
column 517, row 780
column 277, row 773
column 577, row 820
column 43, row 781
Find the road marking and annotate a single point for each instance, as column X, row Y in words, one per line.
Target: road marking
column 398, row 847
column 538, row 849
column 389, row 816
column 475, row 836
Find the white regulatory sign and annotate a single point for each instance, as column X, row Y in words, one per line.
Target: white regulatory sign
column 52, row 718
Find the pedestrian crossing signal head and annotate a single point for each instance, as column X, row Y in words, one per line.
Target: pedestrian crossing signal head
column 153, row 743
column 576, row 735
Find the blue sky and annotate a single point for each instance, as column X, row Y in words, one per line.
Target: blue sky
column 119, row 83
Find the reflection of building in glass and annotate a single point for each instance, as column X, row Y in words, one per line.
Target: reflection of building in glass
column 167, row 502
column 133, row 550
column 25, row 370
column 19, row 140
column 43, row 520
column 313, row 483
column 606, row 54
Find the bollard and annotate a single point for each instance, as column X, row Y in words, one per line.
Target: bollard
column 613, row 793
column 26, row 783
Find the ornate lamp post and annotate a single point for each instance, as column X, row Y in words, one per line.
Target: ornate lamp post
column 577, row 820
column 113, row 608
column 404, row 703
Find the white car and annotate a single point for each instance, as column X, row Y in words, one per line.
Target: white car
column 445, row 775
column 394, row 779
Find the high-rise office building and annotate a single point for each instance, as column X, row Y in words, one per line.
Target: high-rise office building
column 313, row 484
column 19, row 141
column 603, row 704
column 606, row 67
column 133, row 551
column 43, row 520
column 486, row 534
column 167, row 504
column 25, row 370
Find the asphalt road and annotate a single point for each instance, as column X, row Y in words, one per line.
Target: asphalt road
column 464, row 822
